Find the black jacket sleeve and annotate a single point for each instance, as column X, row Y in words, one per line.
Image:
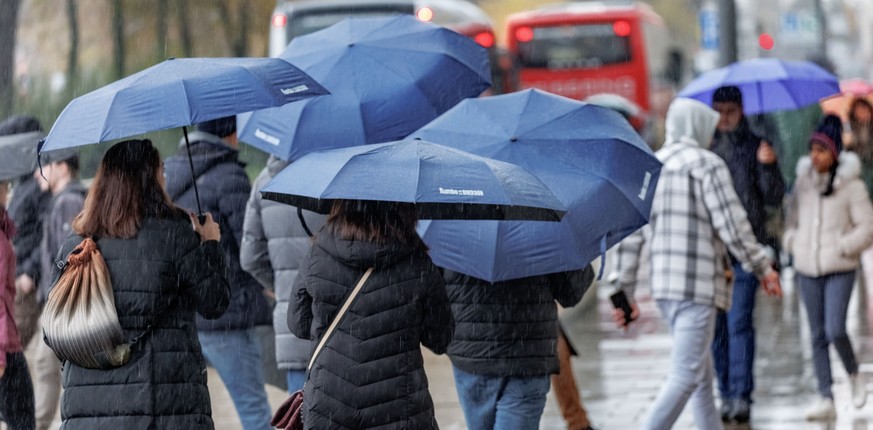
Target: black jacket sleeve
column 201, row 269
column 569, row 287
column 771, row 184
column 438, row 326
column 300, row 303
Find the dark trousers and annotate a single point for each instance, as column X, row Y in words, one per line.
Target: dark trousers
column 16, row 394
column 733, row 349
column 827, row 302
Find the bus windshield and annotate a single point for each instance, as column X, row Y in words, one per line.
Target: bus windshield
column 580, row 46
column 310, row 21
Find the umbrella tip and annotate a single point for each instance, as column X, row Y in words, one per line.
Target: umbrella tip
column 351, row 45
column 513, row 139
column 171, row 58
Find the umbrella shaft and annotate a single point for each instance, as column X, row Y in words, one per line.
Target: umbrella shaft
column 193, row 176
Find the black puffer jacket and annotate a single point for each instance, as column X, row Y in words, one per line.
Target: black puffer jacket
column 163, row 386
column 224, row 189
column 758, row 185
column 510, row 328
column 370, row 374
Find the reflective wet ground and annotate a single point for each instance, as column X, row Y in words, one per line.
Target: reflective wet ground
column 619, row 374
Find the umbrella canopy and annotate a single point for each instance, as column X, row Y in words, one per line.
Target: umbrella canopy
column 176, row 93
column 443, row 183
column 387, row 78
column 588, row 155
column 19, row 154
column 767, row 84
column 851, row 89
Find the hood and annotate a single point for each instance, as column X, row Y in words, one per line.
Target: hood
column 206, row 153
column 275, row 165
column 849, row 168
column 75, row 186
column 361, row 254
column 690, row 122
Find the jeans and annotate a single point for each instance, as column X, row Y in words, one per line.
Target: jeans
column 16, row 394
column 690, row 377
column 296, row 378
column 827, row 301
column 733, row 349
column 236, row 356
column 501, row 403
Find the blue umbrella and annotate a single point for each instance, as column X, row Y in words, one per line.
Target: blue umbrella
column 767, row 84
column 588, row 155
column 443, row 183
column 178, row 93
column 387, row 78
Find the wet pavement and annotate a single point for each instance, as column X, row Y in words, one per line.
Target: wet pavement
column 619, row 374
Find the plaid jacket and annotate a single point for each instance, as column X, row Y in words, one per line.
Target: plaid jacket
column 696, row 217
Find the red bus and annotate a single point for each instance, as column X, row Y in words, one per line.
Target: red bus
column 582, row 49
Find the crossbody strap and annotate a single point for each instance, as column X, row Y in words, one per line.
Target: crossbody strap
column 339, row 316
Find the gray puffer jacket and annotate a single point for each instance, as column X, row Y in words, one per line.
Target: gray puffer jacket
column 273, row 245
column 827, row 234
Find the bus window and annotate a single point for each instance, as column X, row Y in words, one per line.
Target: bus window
column 310, row 21
column 573, row 47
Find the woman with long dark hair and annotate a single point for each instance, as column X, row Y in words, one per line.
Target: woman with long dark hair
column 830, row 223
column 370, row 372
column 161, row 273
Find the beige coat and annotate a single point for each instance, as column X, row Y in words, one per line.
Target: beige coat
column 827, row 234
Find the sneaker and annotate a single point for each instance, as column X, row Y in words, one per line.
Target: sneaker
column 741, row 411
column 727, row 408
column 859, row 389
column 822, row 410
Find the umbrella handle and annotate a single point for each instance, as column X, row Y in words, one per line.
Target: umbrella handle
column 303, row 222
column 200, row 216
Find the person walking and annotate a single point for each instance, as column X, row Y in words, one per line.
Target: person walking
column 859, row 140
column 229, row 343
column 759, row 183
column 696, row 219
column 370, row 373
column 274, row 243
column 27, row 208
column 505, row 346
column 61, row 170
column 830, row 225
column 16, row 387
column 161, row 273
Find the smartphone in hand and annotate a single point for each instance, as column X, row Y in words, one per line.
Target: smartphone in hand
column 620, row 301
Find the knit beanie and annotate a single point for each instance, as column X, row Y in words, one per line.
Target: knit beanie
column 829, row 133
column 728, row 94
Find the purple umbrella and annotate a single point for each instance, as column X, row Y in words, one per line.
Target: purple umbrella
column 767, row 84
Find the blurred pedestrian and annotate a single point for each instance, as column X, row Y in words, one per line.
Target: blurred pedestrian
column 696, row 219
column 27, row 208
column 61, row 170
column 273, row 246
column 16, row 388
column 161, row 273
column 758, row 182
column 229, row 343
column 505, row 346
column 859, row 140
column 830, row 224
column 565, row 389
column 370, row 373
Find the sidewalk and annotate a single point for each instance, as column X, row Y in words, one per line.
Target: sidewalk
column 619, row 374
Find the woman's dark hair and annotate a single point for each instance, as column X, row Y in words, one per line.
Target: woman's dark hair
column 125, row 190
column 855, row 103
column 372, row 221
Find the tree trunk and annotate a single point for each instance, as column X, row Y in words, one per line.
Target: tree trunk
column 241, row 44
column 73, row 54
column 161, row 30
column 184, row 21
column 118, row 37
column 8, row 27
